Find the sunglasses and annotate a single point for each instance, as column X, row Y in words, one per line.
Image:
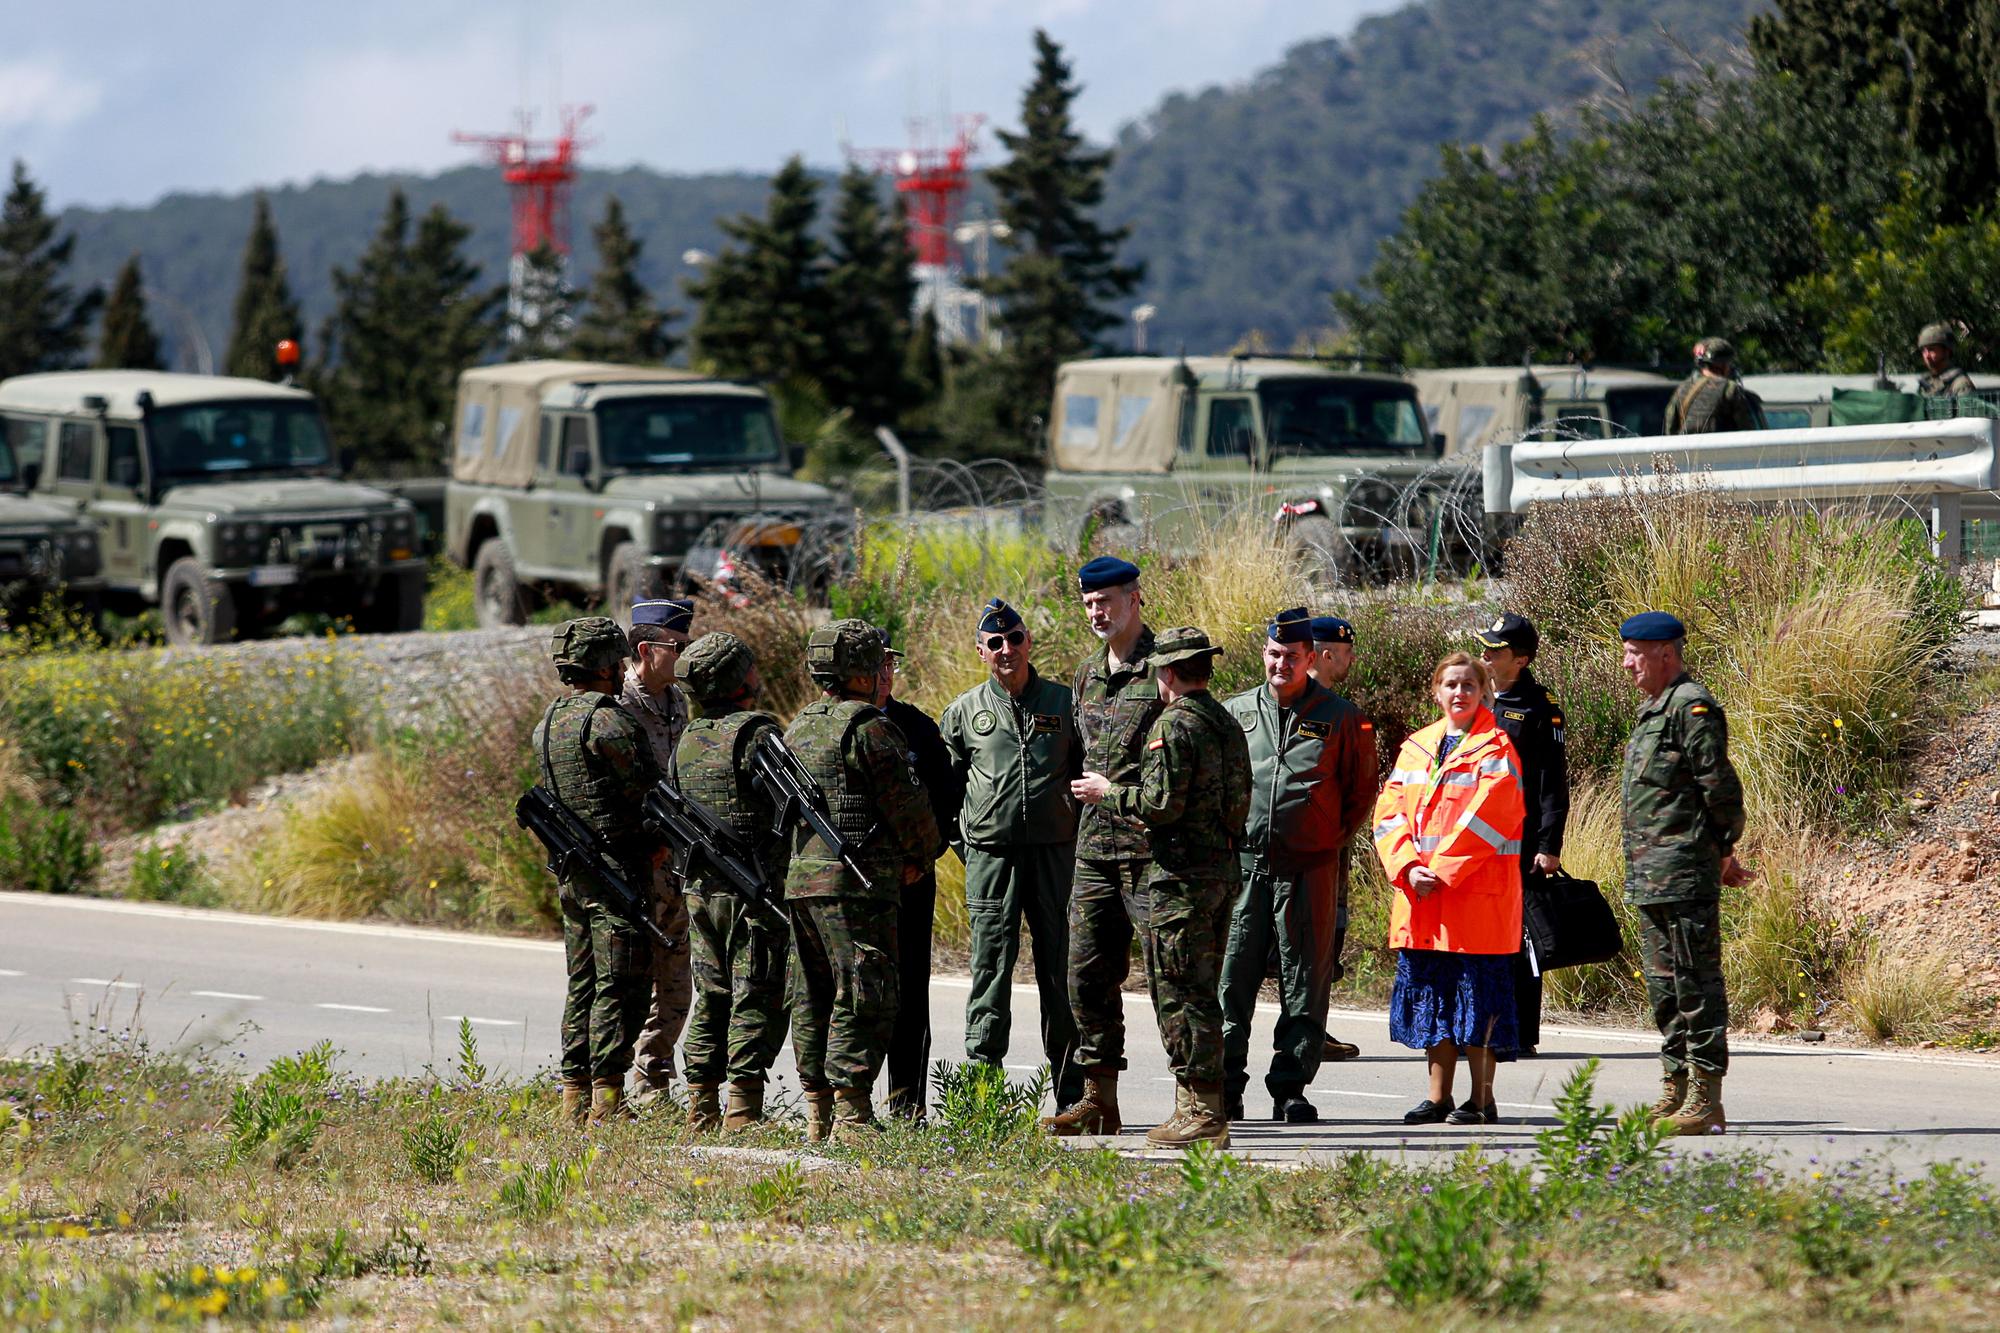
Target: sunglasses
column 1013, row 638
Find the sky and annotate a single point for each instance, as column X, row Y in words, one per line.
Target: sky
column 119, row 103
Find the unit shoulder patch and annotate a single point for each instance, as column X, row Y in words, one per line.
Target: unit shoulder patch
column 983, row 722
column 1157, row 743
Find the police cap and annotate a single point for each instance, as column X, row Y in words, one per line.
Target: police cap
column 1652, row 627
column 589, row 643
column 1511, row 631
column 843, row 649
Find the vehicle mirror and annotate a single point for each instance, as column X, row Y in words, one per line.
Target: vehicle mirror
column 344, row 459
column 796, row 454
column 31, row 474
column 1437, row 443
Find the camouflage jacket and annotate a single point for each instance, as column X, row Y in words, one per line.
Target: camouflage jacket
column 1312, row 775
column 1683, row 804
column 1193, row 791
column 862, row 764
column 661, row 718
column 711, row 767
column 1114, row 711
column 1705, row 404
column 1016, row 758
column 1953, row 382
column 592, row 756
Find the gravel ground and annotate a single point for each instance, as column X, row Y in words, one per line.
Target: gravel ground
column 412, row 672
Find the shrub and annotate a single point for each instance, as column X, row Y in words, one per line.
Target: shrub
column 435, row 1149
column 1441, row 1248
column 44, row 849
column 450, row 602
column 540, row 1191
column 978, row 1103
column 171, row 875
column 1901, row 993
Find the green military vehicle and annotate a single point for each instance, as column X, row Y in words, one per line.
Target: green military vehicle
column 1159, row 446
column 218, row 500
column 597, row 482
column 45, row 549
column 1474, row 406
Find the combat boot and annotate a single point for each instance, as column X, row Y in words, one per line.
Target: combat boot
column 853, row 1117
column 1161, row 1135
column 1095, row 1112
column 575, row 1102
column 1702, row 1112
column 1201, row 1120
column 704, row 1107
column 1673, row 1095
column 819, row 1114
column 746, row 1104
column 607, row 1101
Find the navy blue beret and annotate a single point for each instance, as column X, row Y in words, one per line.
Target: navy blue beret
column 1652, row 627
column 997, row 617
column 1106, row 571
column 1332, row 629
column 1293, row 626
column 664, row 612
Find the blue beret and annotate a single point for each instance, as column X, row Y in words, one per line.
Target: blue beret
column 1106, row 571
column 1652, row 627
column 1293, row 626
column 997, row 617
column 667, row 614
column 1332, row 629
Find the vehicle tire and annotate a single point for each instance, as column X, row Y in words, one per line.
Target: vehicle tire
column 496, row 592
column 398, row 607
column 1322, row 551
column 628, row 579
column 1109, row 535
column 195, row 608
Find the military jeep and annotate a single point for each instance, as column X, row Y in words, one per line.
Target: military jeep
column 45, row 550
column 591, row 481
column 216, row 499
column 1157, row 447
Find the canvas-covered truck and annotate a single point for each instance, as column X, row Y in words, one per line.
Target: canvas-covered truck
column 1159, row 446
column 218, row 500
column 599, row 482
column 1474, row 406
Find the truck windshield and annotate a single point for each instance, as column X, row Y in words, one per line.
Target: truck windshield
column 686, row 430
column 1313, row 415
column 255, row 435
column 1638, row 411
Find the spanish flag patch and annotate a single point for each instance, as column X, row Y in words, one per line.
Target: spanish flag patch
column 1697, row 710
column 1156, row 743
column 1368, row 726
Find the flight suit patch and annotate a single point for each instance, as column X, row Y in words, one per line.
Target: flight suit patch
column 1047, row 723
column 1317, row 730
column 1513, row 716
column 1249, row 721
column 983, row 722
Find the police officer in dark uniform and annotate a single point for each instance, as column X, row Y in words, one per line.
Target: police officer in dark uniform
column 1535, row 724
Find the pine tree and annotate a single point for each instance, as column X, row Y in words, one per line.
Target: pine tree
column 923, row 363
column 42, row 325
column 540, row 321
column 125, row 339
column 869, row 292
column 1062, row 265
column 763, row 309
column 620, row 322
column 266, row 311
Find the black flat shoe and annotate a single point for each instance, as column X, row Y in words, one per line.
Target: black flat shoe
column 1428, row 1113
column 1492, row 1113
column 1295, row 1110
column 1467, row 1114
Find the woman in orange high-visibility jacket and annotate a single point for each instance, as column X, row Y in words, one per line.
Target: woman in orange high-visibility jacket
column 1448, row 830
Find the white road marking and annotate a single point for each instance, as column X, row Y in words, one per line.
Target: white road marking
column 101, row 981
column 224, row 995
column 353, row 1008
column 10, row 972
column 71, row 903
column 480, row 1022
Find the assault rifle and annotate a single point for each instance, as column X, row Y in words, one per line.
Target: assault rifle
column 796, row 796
column 575, row 849
column 697, row 835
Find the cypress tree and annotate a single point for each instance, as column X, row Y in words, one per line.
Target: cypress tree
column 869, row 292
column 1062, row 266
column 266, row 311
column 125, row 339
column 763, row 313
column 620, row 322
column 42, row 324
column 542, row 324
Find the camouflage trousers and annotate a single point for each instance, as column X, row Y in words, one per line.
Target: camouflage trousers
column 738, row 958
column 1680, row 952
column 843, row 989
column 672, row 986
column 1107, row 906
column 609, row 959
column 1184, row 938
column 1298, row 913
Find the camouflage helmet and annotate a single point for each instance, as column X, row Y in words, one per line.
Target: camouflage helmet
column 588, row 644
column 1936, row 335
column 1711, row 350
column 842, row 650
column 716, row 665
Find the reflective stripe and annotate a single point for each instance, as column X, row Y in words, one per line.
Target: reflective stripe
column 1459, row 779
column 1497, row 765
column 1409, row 776
column 1389, row 825
column 1429, row 842
column 1490, row 835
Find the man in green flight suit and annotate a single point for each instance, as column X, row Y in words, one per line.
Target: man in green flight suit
column 1013, row 742
column 1116, row 701
column 1312, row 785
column 738, row 947
column 1683, row 814
column 1193, row 794
column 594, row 759
column 844, row 929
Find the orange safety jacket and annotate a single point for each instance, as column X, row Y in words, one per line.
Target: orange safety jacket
column 1462, row 821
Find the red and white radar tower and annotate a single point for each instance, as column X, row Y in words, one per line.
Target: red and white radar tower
column 540, row 175
column 932, row 174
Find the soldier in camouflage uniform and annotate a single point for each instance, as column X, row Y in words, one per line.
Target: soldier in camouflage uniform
column 594, row 760
column 1116, row 701
column 1938, row 346
column 1683, row 814
column 844, row 931
column 658, row 635
column 738, row 947
column 1193, row 794
column 1713, row 399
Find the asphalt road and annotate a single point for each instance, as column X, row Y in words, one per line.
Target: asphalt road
column 390, row 998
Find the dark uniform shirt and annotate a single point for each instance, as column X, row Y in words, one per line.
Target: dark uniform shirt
column 1114, row 712
column 932, row 760
column 1683, row 802
column 1706, row 404
column 1535, row 725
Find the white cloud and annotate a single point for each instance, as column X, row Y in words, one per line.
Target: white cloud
column 43, row 94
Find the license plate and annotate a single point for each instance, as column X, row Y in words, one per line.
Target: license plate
column 274, row 576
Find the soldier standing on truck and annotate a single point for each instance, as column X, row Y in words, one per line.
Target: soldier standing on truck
column 658, row 635
column 1713, row 399
column 1938, row 346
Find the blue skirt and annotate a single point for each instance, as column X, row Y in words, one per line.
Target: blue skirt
column 1466, row 998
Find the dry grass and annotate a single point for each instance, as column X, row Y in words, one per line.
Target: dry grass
column 1900, row 993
